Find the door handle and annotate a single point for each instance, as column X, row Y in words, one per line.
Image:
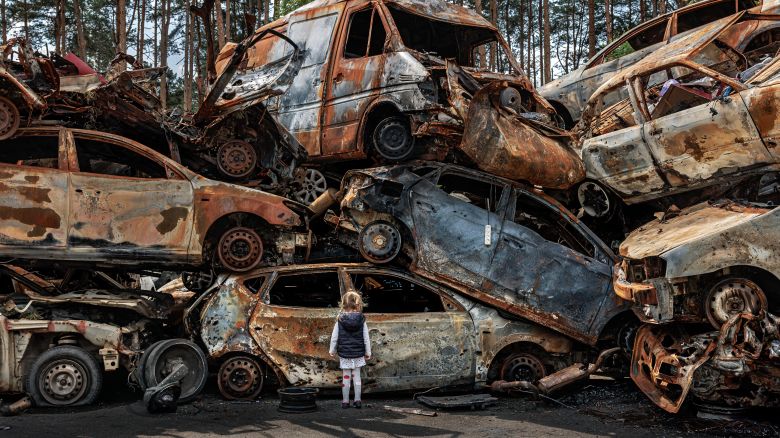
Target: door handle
column 339, row 77
column 79, row 191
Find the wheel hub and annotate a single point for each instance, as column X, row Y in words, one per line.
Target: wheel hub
column 9, row 118
column 240, row 378
column 311, row 187
column 393, row 139
column 63, row 382
column 593, row 199
column 240, row 249
column 523, row 367
column 731, row 297
column 236, row 158
column 380, row 242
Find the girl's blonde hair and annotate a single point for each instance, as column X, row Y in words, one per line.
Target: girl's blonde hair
column 352, row 302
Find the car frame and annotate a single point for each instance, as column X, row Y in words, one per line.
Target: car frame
column 425, row 334
column 56, row 211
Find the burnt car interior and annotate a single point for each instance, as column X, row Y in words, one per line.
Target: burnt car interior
column 480, row 193
column 34, row 151
column 390, row 294
column 532, row 214
column 440, row 38
column 103, row 158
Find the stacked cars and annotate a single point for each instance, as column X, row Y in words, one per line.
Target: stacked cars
column 478, row 274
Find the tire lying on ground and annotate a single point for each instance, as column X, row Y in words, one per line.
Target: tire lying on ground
column 65, row 375
column 160, row 359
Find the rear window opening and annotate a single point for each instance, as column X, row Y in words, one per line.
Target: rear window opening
column 390, row 294
column 319, row 290
column 33, row 151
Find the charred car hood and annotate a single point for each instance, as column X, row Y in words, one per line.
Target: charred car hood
column 696, row 223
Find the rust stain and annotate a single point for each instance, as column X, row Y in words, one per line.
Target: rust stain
column 39, row 218
column 171, row 218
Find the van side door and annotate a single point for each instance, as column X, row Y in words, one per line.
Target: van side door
column 300, row 107
column 357, row 67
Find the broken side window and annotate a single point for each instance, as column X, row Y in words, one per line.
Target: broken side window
column 104, row 158
column 366, row 36
column 550, row 224
column 641, row 39
column 698, row 17
column 391, row 294
column 34, row 151
column 254, row 284
column 482, row 194
column 306, row 290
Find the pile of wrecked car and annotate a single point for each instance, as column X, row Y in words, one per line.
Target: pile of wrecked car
column 489, row 227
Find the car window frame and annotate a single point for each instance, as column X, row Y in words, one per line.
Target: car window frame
column 350, row 15
column 265, row 292
column 503, row 199
column 449, row 303
column 172, row 172
column 601, row 57
column 62, row 150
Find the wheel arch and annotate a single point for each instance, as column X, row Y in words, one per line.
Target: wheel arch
column 520, row 344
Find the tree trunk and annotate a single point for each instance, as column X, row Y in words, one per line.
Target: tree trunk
column 220, row 24
column 139, row 53
column 276, row 9
column 187, row 58
column 121, row 30
column 478, row 10
column 267, row 11
column 228, row 13
column 591, row 28
column 546, row 31
column 166, row 20
column 661, row 6
column 493, row 46
column 642, row 11
column 608, row 16
column 156, row 48
column 200, row 83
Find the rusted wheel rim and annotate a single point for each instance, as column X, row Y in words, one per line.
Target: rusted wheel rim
column 64, row 382
column 240, row 378
column 236, row 159
column 379, row 242
column 594, row 199
column 731, row 297
column 313, row 185
column 522, row 367
column 240, row 249
column 9, row 118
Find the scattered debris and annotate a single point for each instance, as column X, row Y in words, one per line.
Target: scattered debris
column 471, row 401
column 411, row 411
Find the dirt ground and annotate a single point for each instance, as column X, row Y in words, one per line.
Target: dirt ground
column 601, row 407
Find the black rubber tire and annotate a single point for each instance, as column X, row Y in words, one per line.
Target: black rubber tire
column 393, row 139
column 88, row 366
column 193, row 383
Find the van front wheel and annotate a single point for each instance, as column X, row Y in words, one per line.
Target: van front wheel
column 393, row 139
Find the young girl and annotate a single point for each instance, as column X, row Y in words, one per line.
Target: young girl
column 350, row 340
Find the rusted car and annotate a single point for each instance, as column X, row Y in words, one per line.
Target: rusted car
column 57, row 346
column 569, row 93
column 84, row 197
column 715, row 264
column 496, row 241
column 277, row 322
column 392, row 79
column 688, row 131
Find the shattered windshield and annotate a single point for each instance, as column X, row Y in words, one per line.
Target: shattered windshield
column 467, row 45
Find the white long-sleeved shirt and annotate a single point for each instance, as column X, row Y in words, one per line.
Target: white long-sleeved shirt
column 334, row 338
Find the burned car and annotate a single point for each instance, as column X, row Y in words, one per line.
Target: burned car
column 688, row 131
column 277, row 322
column 569, row 93
column 57, row 346
column 495, row 241
column 231, row 137
column 712, row 266
column 77, row 196
column 394, row 79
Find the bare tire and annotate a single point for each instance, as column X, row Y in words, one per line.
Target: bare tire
column 379, row 242
column 240, row 249
column 522, row 367
column 236, row 159
column 9, row 118
column 162, row 357
column 240, row 378
column 64, row 376
column 393, row 139
column 731, row 297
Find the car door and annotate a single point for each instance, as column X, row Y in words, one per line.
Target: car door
column 294, row 323
column 549, row 268
column 33, row 195
column 356, row 76
column 714, row 138
column 299, row 109
column 457, row 217
column 419, row 337
column 125, row 202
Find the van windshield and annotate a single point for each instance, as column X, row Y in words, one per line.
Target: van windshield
column 467, row 45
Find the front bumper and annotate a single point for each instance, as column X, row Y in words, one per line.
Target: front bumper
column 653, row 299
